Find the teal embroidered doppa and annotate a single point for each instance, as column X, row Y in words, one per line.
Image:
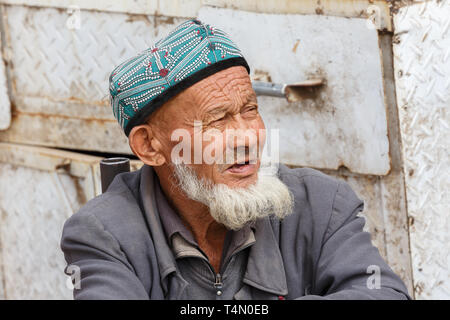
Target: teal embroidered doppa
column 190, row 53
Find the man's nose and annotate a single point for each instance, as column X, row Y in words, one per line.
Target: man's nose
column 241, row 139
column 240, row 133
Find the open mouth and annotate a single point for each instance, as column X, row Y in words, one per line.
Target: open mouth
column 242, row 168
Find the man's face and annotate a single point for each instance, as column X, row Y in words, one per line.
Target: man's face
column 224, row 108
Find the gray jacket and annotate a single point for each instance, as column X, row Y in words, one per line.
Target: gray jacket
column 320, row 251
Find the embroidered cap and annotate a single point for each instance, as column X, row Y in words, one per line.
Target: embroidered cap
column 190, row 53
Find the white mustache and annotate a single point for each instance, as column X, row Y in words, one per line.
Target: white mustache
column 236, row 207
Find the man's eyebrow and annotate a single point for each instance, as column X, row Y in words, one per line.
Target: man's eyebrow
column 218, row 110
column 247, row 98
column 215, row 112
column 251, row 97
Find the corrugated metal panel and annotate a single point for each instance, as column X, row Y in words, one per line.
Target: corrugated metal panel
column 422, row 69
column 393, row 198
column 346, row 124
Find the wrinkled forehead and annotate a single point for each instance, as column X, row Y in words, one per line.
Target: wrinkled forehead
column 227, row 89
column 231, row 86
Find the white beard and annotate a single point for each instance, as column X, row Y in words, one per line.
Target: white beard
column 235, row 207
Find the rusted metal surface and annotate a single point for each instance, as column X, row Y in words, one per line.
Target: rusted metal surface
column 30, row 230
column 422, row 70
column 51, row 160
column 179, row 8
column 5, row 103
column 347, row 119
column 57, row 184
column 2, row 274
column 66, row 132
column 59, row 79
column 393, row 198
column 341, row 8
column 53, row 185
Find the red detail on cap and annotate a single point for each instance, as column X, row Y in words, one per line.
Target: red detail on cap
column 154, row 50
column 281, row 298
column 163, row 72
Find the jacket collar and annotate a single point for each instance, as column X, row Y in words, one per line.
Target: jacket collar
column 164, row 256
column 265, row 269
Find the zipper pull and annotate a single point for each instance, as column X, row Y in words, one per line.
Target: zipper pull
column 218, row 284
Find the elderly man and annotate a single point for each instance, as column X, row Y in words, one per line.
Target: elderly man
column 187, row 227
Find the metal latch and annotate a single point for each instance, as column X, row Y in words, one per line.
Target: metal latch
column 291, row 92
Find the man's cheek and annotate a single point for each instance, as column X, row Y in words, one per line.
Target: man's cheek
column 213, row 147
column 260, row 130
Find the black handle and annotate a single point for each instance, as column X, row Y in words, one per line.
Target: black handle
column 110, row 167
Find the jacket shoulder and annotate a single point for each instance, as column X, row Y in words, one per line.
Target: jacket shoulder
column 326, row 201
column 115, row 213
column 307, row 178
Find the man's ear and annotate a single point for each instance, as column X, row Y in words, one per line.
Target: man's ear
column 146, row 146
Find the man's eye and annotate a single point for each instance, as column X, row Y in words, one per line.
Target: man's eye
column 251, row 109
column 219, row 119
column 216, row 121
